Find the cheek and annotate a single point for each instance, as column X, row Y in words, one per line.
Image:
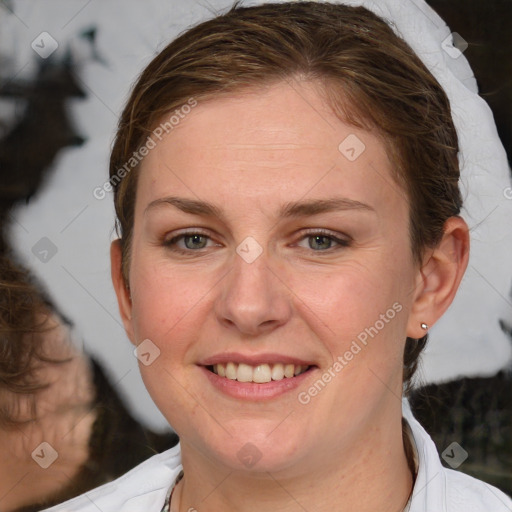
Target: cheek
column 351, row 297
column 360, row 315
column 340, row 302
column 167, row 301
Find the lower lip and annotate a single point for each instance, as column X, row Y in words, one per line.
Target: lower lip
column 253, row 390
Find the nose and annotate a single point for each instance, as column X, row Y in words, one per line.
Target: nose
column 253, row 297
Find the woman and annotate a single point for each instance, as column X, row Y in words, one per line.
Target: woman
column 286, row 187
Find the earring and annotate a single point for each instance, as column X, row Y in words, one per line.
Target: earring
column 424, row 326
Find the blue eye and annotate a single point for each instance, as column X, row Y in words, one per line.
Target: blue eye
column 317, row 241
column 320, row 241
column 191, row 241
column 196, row 241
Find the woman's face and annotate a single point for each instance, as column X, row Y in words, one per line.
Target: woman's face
column 269, row 233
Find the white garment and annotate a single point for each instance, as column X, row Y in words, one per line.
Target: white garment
column 437, row 489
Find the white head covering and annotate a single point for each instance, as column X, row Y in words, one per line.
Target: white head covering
column 468, row 339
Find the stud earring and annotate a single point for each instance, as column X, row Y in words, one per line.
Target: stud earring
column 424, row 326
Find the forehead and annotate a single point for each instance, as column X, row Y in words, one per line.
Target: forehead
column 255, row 148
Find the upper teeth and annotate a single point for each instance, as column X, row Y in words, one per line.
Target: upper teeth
column 260, row 373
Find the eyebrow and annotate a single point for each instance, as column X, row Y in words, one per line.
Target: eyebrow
column 291, row 209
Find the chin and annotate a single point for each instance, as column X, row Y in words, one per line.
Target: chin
column 255, row 450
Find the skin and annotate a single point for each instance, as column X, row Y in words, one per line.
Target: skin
column 249, row 154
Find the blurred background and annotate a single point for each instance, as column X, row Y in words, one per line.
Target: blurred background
column 66, row 67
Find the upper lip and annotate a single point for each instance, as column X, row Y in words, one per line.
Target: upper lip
column 253, row 359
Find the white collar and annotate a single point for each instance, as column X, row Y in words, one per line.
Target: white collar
column 430, row 471
column 436, row 489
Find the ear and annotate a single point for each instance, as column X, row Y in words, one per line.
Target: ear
column 439, row 277
column 124, row 300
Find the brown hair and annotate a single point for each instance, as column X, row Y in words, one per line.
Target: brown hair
column 25, row 314
column 370, row 77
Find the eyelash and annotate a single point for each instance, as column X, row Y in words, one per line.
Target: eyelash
column 171, row 244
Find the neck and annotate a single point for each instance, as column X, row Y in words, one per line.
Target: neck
column 371, row 474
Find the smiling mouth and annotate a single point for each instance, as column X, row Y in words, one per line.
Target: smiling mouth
column 259, row 374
